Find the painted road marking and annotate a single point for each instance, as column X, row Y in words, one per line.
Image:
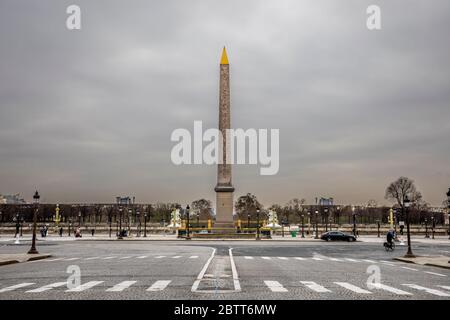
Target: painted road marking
column 369, row 261
column 266, row 258
column 300, row 258
column 92, row 258
column 351, row 260
column 193, row 257
column 85, row 286
column 202, row 272
column 445, row 287
column 316, row 258
column 141, row 257
column 351, row 287
column 237, row 285
column 282, row 258
column 334, row 259
column 431, row 291
column 71, row 259
column 121, row 286
column 17, row 286
column 248, row 258
column 125, row 258
column 314, row 286
column 176, row 257
column 108, row 258
column 436, row 274
column 48, row 287
column 51, row 260
column 408, row 268
column 159, row 257
column 275, row 286
column 387, row 288
column 159, row 285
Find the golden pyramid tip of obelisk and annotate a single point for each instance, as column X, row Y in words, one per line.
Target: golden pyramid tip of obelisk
column 224, row 59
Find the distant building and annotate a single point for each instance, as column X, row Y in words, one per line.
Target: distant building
column 326, row 201
column 124, row 200
column 11, row 199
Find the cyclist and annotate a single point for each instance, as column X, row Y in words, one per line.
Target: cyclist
column 390, row 237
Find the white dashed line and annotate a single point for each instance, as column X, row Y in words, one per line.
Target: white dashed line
column 159, row 285
column 387, row 288
column 266, row 258
column 48, row 287
column 85, row 286
column 314, row 286
column 351, row 287
column 275, row 286
column 248, row 258
column 428, row 290
column 121, row 286
column 436, row 274
column 176, row 257
column 17, row 286
column 193, row 257
column 71, row 259
column 159, row 257
column 282, row 258
column 408, row 268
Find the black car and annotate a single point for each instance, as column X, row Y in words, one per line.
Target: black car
column 337, row 236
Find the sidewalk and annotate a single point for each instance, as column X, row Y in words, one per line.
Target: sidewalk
column 435, row 261
column 8, row 258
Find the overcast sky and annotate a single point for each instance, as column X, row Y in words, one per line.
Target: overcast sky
column 87, row 115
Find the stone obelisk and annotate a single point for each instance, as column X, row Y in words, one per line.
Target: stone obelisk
column 224, row 189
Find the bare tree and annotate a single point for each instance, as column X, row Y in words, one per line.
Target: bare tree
column 247, row 204
column 400, row 189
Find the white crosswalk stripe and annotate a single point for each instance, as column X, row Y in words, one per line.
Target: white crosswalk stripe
column 92, row 258
column 314, row 286
column 351, row 260
column 428, row 290
column 141, row 257
column 248, row 258
column 317, row 258
column 445, row 287
column 408, row 268
column 282, row 258
column 352, row 287
column 123, row 258
column 48, row 287
column 300, row 258
column 275, row 286
column 193, row 257
column 369, row 261
column 266, row 258
column 387, row 288
column 335, row 259
column 108, row 258
column 121, row 286
column 159, row 257
column 435, row 273
column 85, row 286
column 17, row 286
column 51, row 260
column 159, row 285
column 176, row 257
column 71, row 259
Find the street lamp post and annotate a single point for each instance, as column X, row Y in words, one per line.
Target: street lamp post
column 21, row 225
column 198, row 220
column 448, row 211
column 317, row 226
column 257, row 224
column 119, row 236
column 36, row 198
column 426, row 228
column 145, row 224
column 248, row 222
column 378, row 225
column 406, row 204
column 433, row 225
column 326, row 219
column 188, row 236
column 354, row 221
column 70, row 225
column 79, row 219
column 138, row 215
column 303, row 225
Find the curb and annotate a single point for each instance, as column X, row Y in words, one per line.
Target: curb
column 425, row 264
column 13, row 261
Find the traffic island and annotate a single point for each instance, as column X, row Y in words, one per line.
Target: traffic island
column 434, row 261
column 7, row 258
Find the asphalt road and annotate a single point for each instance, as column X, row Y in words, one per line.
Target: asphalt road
column 210, row 270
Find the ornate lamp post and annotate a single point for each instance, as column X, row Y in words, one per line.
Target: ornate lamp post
column 79, row 219
column 248, row 222
column 138, row 215
column 433, row 225
column 36, row 198
column 145, row 222
column 354, row 221
column 198, row 220
column 406, row 204
column 257, row 224
column 378, row 226
column 317, row 225
column 119, row 236
column 326, row 218
column 188, row 236
column 303, row 225
column 426, row 228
